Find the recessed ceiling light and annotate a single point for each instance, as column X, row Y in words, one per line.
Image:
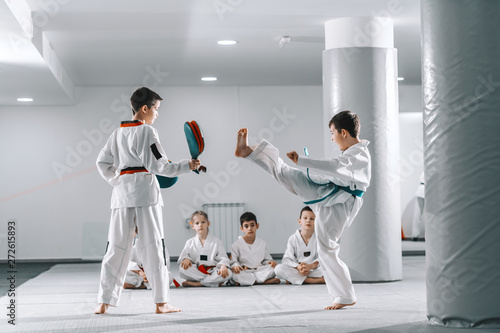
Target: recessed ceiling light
column 227, row 42
column 25, row 99
column 209, row 78
column 401, row 78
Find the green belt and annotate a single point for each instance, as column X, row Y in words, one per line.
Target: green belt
column 357, row 193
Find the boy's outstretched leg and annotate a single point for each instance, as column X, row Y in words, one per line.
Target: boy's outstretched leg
column 101, row 308
column 166, row 308
column 266, row 156
column 242, row 147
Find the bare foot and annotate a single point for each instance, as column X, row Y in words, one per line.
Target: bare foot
column 166, row 308
column 272, row 281
column 131, row 286
column 101, row 308
column 191, row 284
column 288, row 282
column 242, row 147
column 337, row 306
column 310, row 280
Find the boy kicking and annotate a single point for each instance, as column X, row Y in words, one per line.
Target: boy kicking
column 334, row 195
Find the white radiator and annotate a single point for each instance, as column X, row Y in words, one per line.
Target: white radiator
column 225, row 221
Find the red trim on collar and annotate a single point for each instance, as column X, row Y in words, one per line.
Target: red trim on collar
column 131, row 123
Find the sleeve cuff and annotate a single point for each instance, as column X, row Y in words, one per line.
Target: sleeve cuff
column 302, row 161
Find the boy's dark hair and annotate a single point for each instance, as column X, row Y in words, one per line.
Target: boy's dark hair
column 246, row 217
column 143, row 96
column 346, row 120
column 305, row 209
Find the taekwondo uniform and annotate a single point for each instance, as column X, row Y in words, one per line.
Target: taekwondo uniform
column 335, row 207
column 297, row 252
column 253, row 256
column 129, row 162
column 207, row 260
column 135, row 264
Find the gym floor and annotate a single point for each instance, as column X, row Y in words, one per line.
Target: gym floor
column 62, row 298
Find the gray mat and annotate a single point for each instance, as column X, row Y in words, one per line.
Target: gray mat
column 62, row 300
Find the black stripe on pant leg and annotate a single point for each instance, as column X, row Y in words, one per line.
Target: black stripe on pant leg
column 107, row 245
column 164, row 257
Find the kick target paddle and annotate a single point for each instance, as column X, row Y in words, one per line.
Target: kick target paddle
column 195, row 141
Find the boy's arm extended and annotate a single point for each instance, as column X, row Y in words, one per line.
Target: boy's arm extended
column 155, row 160
column 346, row 167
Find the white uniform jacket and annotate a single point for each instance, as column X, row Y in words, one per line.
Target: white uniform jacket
column 297, row 251
column 212, row 253
column 352, row 168
column 249, row 255
column 132, row 147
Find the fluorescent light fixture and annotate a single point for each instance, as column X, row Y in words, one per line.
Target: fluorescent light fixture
column 227, row 42
column 400, row 78
column 209, row 78
column 25, row 99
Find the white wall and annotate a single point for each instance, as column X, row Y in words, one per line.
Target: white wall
column 411, row 164
column 50, row 185
column 410, row 98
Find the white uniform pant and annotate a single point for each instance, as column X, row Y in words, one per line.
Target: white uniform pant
column 213, row 279
column 292, row 275
column 250, row 276
column 330, row 220
column 149, row 223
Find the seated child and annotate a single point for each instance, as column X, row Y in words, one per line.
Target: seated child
column 300, row 262
column 208, row 255
column 135, row 278
column 251, row 263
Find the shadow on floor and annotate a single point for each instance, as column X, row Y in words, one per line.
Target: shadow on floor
column 24, row 272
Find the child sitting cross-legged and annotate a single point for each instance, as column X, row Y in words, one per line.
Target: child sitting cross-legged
column 203, row 261
column 251, row 263
column 300, row 262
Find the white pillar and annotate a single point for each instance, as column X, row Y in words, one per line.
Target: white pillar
column 461, row 85
column 360, row 74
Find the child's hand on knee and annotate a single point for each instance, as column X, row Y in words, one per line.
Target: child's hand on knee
column 223, row 271
column 303, row 270
column 272, row 263
column 186, row 263
column 236, row 269
column 141, row 273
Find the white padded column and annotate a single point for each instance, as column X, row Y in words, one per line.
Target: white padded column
column 360, row 74
column 461, row 85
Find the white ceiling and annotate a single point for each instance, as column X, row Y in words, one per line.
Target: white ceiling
column 122, row 42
